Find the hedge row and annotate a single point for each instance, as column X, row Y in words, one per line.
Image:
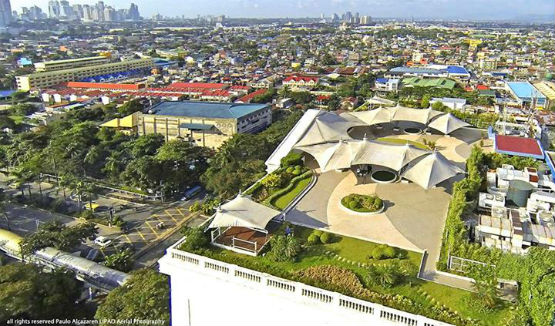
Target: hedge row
column 291, row 186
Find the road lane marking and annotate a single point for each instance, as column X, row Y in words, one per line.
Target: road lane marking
column 142, row 236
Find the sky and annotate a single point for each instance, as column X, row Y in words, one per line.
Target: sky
column 448, row 9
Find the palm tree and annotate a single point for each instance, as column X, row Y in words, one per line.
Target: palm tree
column 79, row 188
column 65, row 181
column 3, row 209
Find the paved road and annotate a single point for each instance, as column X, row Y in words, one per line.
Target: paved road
column 150, row 258
column 24, row 220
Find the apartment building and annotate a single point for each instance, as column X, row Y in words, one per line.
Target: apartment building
column 51, row 78
column 70, row 63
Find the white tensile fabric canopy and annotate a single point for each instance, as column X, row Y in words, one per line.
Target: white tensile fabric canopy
column 431, row 170
column 243, row 212
column 330, row 156
column 447, row 124
column 422, row 116
column 370, row 117
column 327, row 127
column 344, row 154
column 398, row 113
column 392, row 156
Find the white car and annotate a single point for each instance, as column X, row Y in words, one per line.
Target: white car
column 102, row 241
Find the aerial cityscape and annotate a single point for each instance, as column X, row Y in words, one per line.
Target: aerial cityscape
column 318, row 162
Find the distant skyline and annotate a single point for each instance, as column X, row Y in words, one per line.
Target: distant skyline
column 448, row 9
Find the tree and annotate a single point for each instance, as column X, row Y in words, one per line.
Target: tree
column 28, row 292
column 23, row 109
column 485, row 284
column 145, row 295
column 121, row 260
column 195, row 239
column 130, row 107
column 284, row 248
column 58, row 235
column 6, row 122
column 386, row 276
column 425, row 103
column 147, row 145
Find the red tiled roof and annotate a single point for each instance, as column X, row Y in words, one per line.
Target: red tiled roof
column 300, row 78
column 199, row 85
column 515, row 144
column 128, row 87
column 247, row 98
column 482, row 87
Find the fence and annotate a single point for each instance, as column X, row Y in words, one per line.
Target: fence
column 294, row 290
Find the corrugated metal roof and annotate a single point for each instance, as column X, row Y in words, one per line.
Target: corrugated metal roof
column 206, row 109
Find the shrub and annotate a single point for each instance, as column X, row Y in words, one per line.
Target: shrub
column 353, row 204
column 292, row 159
column 284, row 248
column 196, row 207
column 290, row 169
column 195, row 239
column 87, row 214
column 389, row 252
column 318, row 233
column 313, row 239
column 378, row 203
column 325, row 238
column 362, row 203
column 378, row 253
column 273, row 181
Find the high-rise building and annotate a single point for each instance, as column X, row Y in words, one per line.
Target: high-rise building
column 65, row 9
column 77, row 11
column 365, row 20
column 348, row 17
column 32, row 13
column 5, row 13
column 54, row 9
column 87, row 13
column 133, row 13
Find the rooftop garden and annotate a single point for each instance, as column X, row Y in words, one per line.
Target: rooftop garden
column 398, row 141
column 362, row 203
column 369, row 271
column 280, row 187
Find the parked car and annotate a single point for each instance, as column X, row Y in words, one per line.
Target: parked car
column 102, row 241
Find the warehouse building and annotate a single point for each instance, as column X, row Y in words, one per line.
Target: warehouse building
column 206, row 124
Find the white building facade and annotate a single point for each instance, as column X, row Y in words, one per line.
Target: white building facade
column 210, row 292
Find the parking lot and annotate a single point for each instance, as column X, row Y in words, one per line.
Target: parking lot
column 154, row 227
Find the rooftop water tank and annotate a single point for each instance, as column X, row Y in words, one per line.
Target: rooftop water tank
column 519, row 192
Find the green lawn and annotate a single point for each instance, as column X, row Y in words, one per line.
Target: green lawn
column 18, row 119
column 354, row 251
column 403, row 142
column 284, row 200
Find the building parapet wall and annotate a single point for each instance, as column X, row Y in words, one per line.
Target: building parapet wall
column 273, row 285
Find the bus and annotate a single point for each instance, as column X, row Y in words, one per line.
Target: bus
column 191, row 193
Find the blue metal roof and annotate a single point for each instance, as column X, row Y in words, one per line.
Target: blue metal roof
column 206, row 109
column 525, row 91
column 456, row 70
column 382, row 80
column 412, row 70
column 7, row 93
